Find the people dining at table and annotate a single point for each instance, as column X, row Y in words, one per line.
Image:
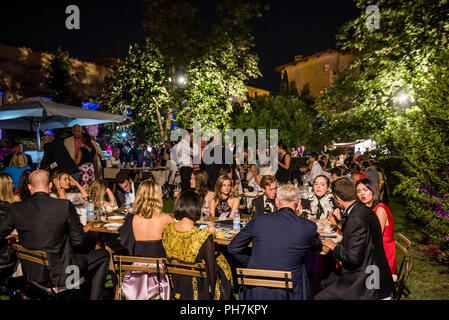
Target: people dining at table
column 100, row 194
column 320, row 203
column 283, row 173
column 85, row 158
column 63, row 183
column 360, row 253
column 17, row 166
column 279, row 242
column 141, row 235
column 186, row 243
column 266, row 202
column 367, row 193
column 53, row 225
column 126, row 188
column 224, row 204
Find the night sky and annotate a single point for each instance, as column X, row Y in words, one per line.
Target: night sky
column 107, row 28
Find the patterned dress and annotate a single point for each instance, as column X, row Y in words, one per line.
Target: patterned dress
column 193, row 246
column 86, row 166
column 318, row 208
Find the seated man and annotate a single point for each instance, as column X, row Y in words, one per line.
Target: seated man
column 126, row 187
column 52, row 225
column 297, row 174
column 364, row 273
column 266, row 202
column 114, row 160
column 279, row 242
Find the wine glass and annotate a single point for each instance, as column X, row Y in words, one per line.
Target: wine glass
column 295, row 182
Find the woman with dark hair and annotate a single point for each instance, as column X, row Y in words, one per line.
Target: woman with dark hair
column 85, row 160
column 357, row 173
column 22, row 192
column 320, row 204
column 62, row 183
column 186, row 243
column 368, row 194
column 283, row 173
column 200, row 183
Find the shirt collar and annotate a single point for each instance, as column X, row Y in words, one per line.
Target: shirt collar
column 347, row 211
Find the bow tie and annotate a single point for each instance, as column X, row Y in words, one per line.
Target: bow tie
column 270, row 201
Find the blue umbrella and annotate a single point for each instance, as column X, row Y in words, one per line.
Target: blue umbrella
column 35, row 114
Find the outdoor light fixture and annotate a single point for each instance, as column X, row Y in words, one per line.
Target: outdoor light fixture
column 149, row 149
column 181, row 80
column 123, row 134
column 403, row 98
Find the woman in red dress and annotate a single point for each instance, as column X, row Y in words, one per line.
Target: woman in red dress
column 368, row 194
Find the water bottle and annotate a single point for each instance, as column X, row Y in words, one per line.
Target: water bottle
column 91, row 211
column 256, row 189
column 127, row 202
column 236, row 221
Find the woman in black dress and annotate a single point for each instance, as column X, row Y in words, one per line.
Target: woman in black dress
column 283, row 173
column 85, row 160
column 141, row 235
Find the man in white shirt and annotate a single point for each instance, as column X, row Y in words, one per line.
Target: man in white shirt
column 114, row 160
column 127, row 188
column 183, row 152
column 317, row 170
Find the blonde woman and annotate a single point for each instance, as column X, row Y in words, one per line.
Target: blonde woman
column 62, row 182
column 141, row 235
column 224, row 204
column 6, row 198
column 17, row 166
column 99, row 192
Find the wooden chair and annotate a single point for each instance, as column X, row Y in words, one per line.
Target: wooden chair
column 402, row 289
column 264, row 278
column 195, row 270
column 123, row 264
column 40, row 257
column 402, row 245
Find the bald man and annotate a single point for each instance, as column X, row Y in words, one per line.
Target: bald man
column 52, row 225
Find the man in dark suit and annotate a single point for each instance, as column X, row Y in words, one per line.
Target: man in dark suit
column 56, row 157
column 16, row 147
column 364, row 272
column 52, row 225
column 266, row 202
column 279, row 242
column 125, row 187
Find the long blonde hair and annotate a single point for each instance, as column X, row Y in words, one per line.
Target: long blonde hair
column 217, row 191
column 6, row 188
column 18, row 160
column 148, row 199
column 97, row 192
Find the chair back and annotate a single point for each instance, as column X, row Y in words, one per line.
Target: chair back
column 402, row 245
column 197, row 269
column 123, row 264
column 402, row 289
column 264, row 278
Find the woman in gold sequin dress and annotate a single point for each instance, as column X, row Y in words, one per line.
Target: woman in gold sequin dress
column 186, row 243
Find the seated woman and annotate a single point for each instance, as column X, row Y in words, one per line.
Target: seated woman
column 62, row 183
column 253, row 177
column 99, row 192
column 7, row 253
column 230, row 171
column 320, row 204
column 223, row 204
column 186, row 243
column 141, row 235
column 22, row 192
column 199, row 182
column 16, row 167
column 368, row 194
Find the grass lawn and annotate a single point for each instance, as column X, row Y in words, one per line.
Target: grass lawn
column 428, row 279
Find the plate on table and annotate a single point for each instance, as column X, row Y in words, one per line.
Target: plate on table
column 116, row 218
column 112, row 226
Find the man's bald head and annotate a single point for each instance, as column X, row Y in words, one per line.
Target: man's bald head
column 77, row 131
column 39, row 181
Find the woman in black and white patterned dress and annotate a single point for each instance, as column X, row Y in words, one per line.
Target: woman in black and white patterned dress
column 321, row 202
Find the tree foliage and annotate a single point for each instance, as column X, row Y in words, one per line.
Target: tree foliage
column 58, row 77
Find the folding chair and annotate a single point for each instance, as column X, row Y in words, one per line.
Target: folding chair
column 402, row 289
column 402, row 245
column 40, row 257
column 264, row 278
column 195, row 270
column 123, row 264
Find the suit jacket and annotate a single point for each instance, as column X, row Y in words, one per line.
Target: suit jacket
column 260, row 205
column 52, row 225
column 70, row 146
column 120, row 195
column 361, row 248
column 56, row 152
column 279, row 242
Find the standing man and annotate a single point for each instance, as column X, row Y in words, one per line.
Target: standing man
column 279, row 242
column 371, row 173
column 52, row 225
column 184, row 153
column 364, row 273
column 75, row 142
column 56, row 157
column 316, row 170
column 266, row 202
